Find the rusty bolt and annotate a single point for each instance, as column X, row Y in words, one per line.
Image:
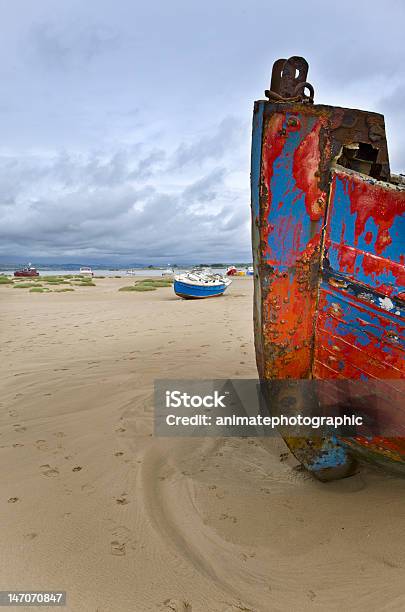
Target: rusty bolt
column 292, row 122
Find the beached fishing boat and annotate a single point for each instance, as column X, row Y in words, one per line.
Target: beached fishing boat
column 86, row 271
column 200, row 283
column 27, row 271
column 250, row 271
column 328, row 235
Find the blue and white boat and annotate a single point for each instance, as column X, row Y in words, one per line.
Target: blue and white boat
column 199, row 284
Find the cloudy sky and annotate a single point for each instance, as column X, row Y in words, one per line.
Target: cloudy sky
column 125, row 125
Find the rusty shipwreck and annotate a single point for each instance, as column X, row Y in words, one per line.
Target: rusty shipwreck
column 328, row 237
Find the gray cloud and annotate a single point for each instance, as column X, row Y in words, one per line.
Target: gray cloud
column 210, row 146
column 205, row 189
column 68, row 47
column 124, row 205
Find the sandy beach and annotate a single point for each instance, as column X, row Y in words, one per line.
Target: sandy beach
column 92, row 503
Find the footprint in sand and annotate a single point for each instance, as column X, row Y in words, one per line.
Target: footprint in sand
column 118, row 548
column 41, row 445
column 238, row 608
column 122, row 499
column 246, row 557
column 122, row 533
column 224, row 517
column 13, row 500
column 175, row 605
column 30, row 536
column 47, row 470
column 19, row 428
column 77, row 468
column 122, row 540
column 59, row 435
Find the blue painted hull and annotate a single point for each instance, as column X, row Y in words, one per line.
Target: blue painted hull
column 188, row 291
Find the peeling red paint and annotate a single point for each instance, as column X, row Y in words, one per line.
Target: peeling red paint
column 347, row 258
column 368, row 237
column 306, row 167
column 373, row 266
column 358, row 359
column 378, row 204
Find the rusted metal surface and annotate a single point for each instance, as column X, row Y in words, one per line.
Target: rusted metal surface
column 288, row 81
column 328, row 246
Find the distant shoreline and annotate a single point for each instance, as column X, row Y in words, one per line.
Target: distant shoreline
column 49, row 270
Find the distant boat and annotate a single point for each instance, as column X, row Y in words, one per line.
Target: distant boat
column 199, row 284
column 27, row 271
column 233, row 271
column 168, row 272
column 86, row 271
